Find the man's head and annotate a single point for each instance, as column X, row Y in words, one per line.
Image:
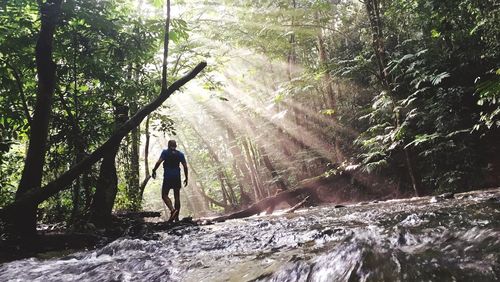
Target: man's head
column 172, row 144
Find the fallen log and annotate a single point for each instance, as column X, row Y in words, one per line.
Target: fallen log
column 292, row 197
column 298, row 206
column 311, row 190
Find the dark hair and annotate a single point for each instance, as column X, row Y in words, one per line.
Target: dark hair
column 172, row 144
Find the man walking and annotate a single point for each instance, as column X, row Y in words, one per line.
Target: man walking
column 171, row 159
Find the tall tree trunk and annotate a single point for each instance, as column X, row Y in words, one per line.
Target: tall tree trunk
column 264, row 190
column 131, row 148
column 46, row 71
column 133, row 181
column 330, row 93
column 223, row 190
column 252, row 167
column 164, row 80
column 107, row 183
column 277, row 179
column 323, row 62
column 241, row 171
column 230, row 189
column 78, row 141
column 373, row 11
column 292, row 56
column 147, row 176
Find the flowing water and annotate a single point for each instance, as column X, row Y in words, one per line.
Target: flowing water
column 420, row 239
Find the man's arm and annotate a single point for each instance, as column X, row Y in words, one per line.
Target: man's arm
column 158, row 163
column 184, row 165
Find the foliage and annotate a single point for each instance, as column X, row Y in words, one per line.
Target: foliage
column 435, row 66
column 104, row 51
column 489, row 97
column 441, row 104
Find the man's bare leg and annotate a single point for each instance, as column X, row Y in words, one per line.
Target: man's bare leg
column 177, row 201
column 168, row 202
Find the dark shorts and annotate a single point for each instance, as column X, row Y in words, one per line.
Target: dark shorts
column 171, row 183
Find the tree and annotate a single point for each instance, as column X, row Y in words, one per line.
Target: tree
column 46, row 70
column 21, row 214
column 107, row 184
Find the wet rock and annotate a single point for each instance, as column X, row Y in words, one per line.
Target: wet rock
column 276, row 249
column 197, row 264
column 328, row 232
column 442, row 197
column 307, row 244
column 114, row 231
column 339, row 206
column 493, row 200
column 401, row 239
column 447, row 195
column 141, row 214
column 88, row 227
column 177, row 232
column 316, row 226
column 263, row 224
column 153, row 236
column 206, row 222
column 295, row 258
column 187, row 219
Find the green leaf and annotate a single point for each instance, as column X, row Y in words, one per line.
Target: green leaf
column 83, row 88
column 327, row 112
column 157, row 3
column 435, row 33
column 422, row 139
column 174, row 36
column 438, row 78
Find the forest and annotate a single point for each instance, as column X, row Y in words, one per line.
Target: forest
column 285, row 104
